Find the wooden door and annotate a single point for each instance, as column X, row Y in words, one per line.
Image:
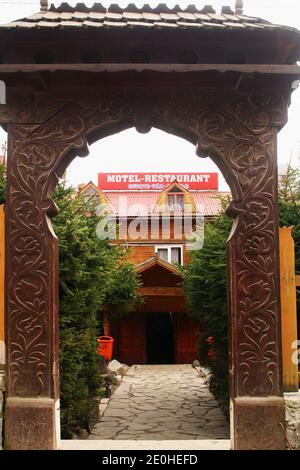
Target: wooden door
column 131, row 339
column 186, row 331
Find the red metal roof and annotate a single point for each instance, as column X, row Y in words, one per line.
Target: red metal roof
column 142, row 203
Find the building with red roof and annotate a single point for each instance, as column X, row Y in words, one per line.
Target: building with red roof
column 157, row 228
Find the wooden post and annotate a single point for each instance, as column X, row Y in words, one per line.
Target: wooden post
column 298, row 285
column 2, row 254
column 288, row 309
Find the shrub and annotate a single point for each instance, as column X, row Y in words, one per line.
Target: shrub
column 205, row 284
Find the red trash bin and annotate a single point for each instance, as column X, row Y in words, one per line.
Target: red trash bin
column 105, row 347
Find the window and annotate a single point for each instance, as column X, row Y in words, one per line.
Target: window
column 170, row 253
column 175, row 199
column 176, row 254
column 163, row 253
column 171, row 201
column 176, row 202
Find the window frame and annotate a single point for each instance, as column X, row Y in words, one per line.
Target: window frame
column 175, row 205
column 169, row 247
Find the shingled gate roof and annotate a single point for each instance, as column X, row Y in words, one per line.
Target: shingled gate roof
column 98, row 16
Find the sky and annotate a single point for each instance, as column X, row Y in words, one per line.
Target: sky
column 157, row 151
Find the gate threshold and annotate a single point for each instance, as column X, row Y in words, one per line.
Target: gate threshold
column 124, row 444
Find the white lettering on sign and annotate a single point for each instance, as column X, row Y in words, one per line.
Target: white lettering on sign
column 157, row 178
column 157, row 181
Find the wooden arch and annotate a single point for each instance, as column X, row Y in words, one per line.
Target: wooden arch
column 238, row 131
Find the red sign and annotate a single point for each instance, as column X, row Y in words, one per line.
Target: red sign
column 158, row 181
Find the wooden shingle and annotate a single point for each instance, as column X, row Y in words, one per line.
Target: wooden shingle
column 163, row 17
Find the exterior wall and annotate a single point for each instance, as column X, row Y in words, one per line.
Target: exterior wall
column 131, row 339
column 131, row 334
column 131, row 331
column 142, row 248
column 158, row 304
column 138, row 254
column 159, row 277
column 186, row 256
column 186, row 331
column 172, row 232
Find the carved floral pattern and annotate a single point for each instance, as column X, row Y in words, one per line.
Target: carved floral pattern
column 249, row 162
column 262, row 434
column 34, row 429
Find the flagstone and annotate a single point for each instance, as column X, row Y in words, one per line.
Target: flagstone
column 162, row 403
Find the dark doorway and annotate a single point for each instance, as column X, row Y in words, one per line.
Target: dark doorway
column 160, row 338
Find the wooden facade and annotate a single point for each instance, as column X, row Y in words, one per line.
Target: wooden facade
column 142, row 340
column 161, row 328
column 62, row 95
column 163, row 319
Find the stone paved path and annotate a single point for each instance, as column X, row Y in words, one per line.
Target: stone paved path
column 160, row 402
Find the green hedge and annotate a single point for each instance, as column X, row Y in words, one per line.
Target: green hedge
column 205, row 284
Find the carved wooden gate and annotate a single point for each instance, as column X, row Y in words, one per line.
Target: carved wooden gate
column 241, row 141
column 231, row 117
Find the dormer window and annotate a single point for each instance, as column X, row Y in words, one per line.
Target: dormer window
column 89, row 195
column 175, row 199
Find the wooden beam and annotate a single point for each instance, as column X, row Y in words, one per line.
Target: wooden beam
column 297, row 280
column 183, row 68
column 288, row 309
column 161, row 291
